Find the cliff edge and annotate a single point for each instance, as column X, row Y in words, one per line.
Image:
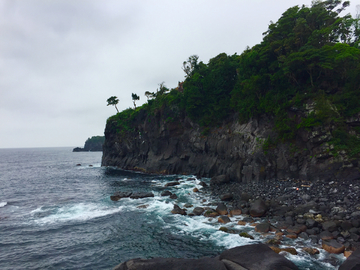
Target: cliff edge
column 242, row 151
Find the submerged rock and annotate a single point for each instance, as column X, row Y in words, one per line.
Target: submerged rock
column 140, row 195
column 178, row 210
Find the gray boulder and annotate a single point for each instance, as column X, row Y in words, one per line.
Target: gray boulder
column 118, row 195
column 258, row 208
column 172, row 264
column 257, row 257
column 249, row 257
column 353, row 262
column 140, row 195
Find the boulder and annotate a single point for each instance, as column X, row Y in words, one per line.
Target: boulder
column 353, row 262
column 329, row 226
column 258, row 256
column 235, row 212
column 118, row 195
column 211, row 213
column 246, row 235
column 172, row 264
column 173, row 196
column 258, row 208
column 140, row 195
column 226, row 197
column 245, row 196
column 171, row 184
column 166, row 193
column 296, row 229
column 263, row 227
column 224, row 219
column 219, row 180
column 326, row 235
column 202, row 183
column 311, row 251
column 178, row 210
column 222, row 209
column 198, row 211
column 333, row 246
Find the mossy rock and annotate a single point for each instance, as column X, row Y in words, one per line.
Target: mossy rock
column 223, row 229
column 246, row 235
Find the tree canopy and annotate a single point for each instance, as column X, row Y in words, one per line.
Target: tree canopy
column 113, row 100
column 310, row 53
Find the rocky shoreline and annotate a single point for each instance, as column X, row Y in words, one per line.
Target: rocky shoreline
column 325, row 213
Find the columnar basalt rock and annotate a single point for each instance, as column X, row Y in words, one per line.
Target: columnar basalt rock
column 232, row 152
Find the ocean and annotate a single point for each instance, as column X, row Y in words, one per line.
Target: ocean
column 56, row 213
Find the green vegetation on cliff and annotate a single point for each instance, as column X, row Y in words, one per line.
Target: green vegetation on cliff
column 309, row 57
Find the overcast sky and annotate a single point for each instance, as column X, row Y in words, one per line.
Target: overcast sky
column 60, row 60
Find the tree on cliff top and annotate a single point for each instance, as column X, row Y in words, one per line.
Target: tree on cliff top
column 113, row 100
column 134, row 98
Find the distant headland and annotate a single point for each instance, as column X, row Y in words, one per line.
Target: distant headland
column 92, row 144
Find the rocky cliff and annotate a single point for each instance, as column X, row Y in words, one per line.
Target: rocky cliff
column 243, row 152
column 95, row 143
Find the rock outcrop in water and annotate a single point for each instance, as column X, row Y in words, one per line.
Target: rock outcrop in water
column 92, row 144
column 240, row 151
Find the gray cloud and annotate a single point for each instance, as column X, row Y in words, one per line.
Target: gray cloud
column 60, row 60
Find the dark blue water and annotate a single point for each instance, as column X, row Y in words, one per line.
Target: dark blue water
column 57, row 215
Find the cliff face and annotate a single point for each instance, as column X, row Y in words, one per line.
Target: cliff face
column 242, row 152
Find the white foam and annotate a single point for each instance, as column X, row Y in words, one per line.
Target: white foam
column 2, row 204
column 78, row 212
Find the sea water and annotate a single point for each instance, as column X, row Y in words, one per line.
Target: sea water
column 56, row 213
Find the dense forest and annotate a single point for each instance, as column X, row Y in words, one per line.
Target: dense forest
column 311, row 55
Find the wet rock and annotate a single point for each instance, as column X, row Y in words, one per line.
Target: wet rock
column 262, row 257
column 202, row 183
column 263, row 227
column 290, row 250
column 195, row 190
column 235, row 212
column 172, row 263
column 246, row 235
column 198, row 211
column 211, row 213
column 352, row 262
column 333, row 246
column 296, row 229
column 140, row 195
column 224, row 229
column 326, row 235
column 118, row 195
column 166, row 193
column 178, row 211
column 292, row 235
column 303, row 235
column 171, row 184
column 173, row 196
column 224, row 219
column 311, row 251
column 222, row 209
